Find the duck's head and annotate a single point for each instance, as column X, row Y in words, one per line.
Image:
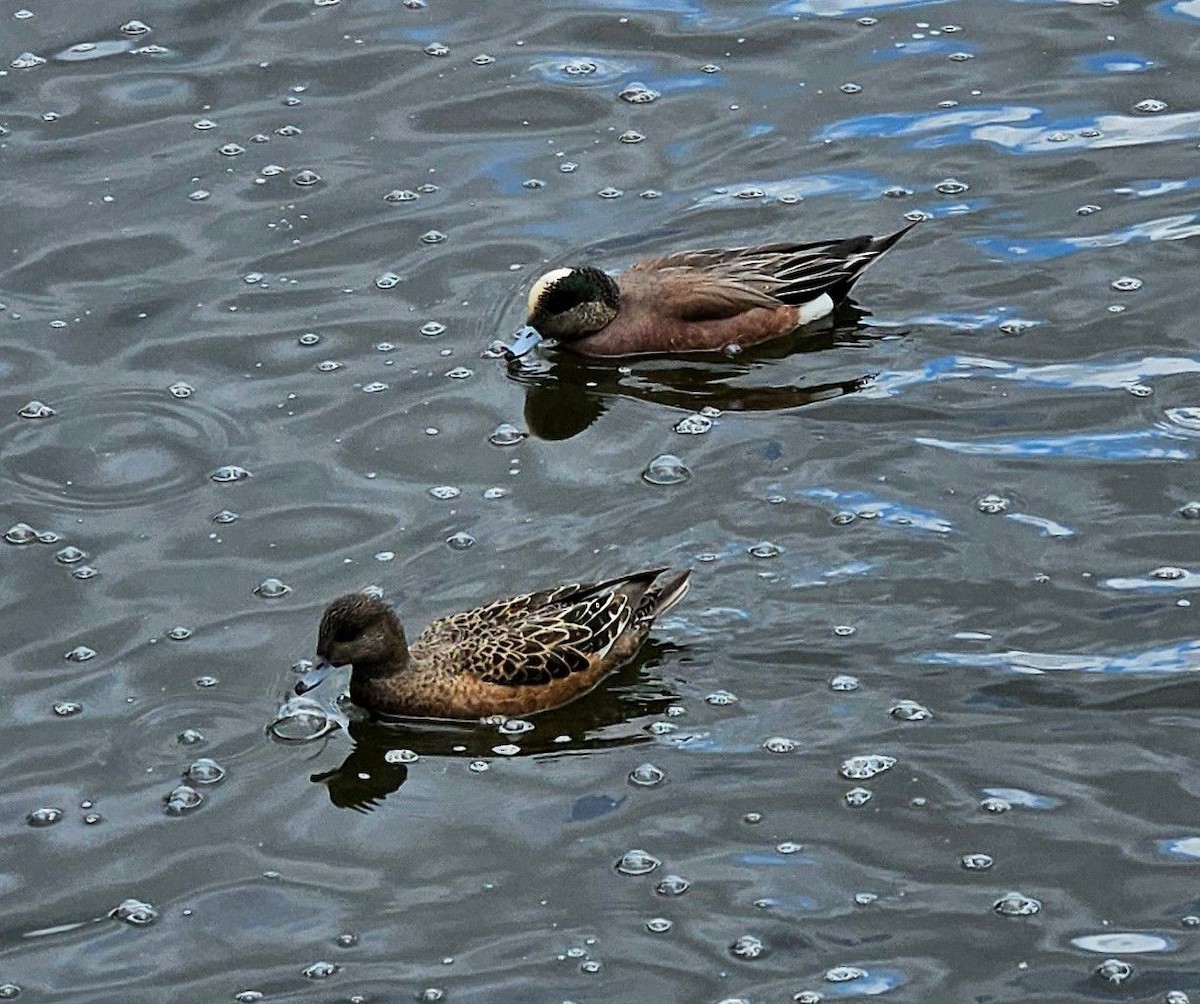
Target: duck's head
column 361, row 630
column 571, row 303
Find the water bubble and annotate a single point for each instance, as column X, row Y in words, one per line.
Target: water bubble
column 811, row 996
column 432, row 237
column 995, row 805
column 843, row 630
column 861, row 768
column 646, row 775
column 666, row 469
column 506, row 435
column 445, row 492
column 479, row 766
column 779, row 744
column 80, row 653
column 637, row 862
column 301, row 719
column 204, row 770
column 225, row 517
column 10, row 991
column 135, row 28
column 1168, row 573
column 672, row 885
column 190, row 737
column 329, row 366
column 228, row 473
column 231, row 150
column 659, row 925
column 960, row 57
column 492, row 494
column 533, row 183
column 27, row 61
column 460, row 373
column 182, row 799
column 483, row 59
column 36, row 409
column 1177, row 997
column 610, row 193
column 374, row 387
column 631, row 136
column 1126, row 284
column 858, row 797
column 1016, row 904
column 44, row 816
column 748, row 947
column 845, row 974
column 993, row 504
column 135, row 912
column 909, row 711
column 431, row 329
column 24, row 14
column 428, row 188
column 721, row 698
column 693, row 425
column 288, row 131
column 319, row 970
column 1114, row 971
column 951, row 186
column 20, row 534
column 851, row 88
column 843, row 682
column 1191, row 920
column 84, row 572
column 306, row 178
column 1150, row 106
column 181, row 390
column 638, row 94
column 1087, row 210
column 515, row 727
column 764, row 549
column 400, row 756
column 976, row 862
column 437, row 49
column 66, row 709
column 309, row 338
column 460, row 541
column 432, row 994
column 386, row 280
column 1190, row 510
column 401, row 195
column 1140, row 390
column 272, row 589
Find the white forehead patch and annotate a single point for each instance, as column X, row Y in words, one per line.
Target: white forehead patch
column 544, row 283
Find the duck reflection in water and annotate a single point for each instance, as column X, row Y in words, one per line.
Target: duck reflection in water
column 615, row 715
column 566, row 393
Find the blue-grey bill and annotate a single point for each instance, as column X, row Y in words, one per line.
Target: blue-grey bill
column 314, row 677
column 521, row 343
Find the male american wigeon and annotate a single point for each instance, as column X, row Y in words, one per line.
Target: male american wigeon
column 514, row 656
column 697, row 301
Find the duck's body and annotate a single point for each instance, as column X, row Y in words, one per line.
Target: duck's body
column 701, row 301
column 515, row 656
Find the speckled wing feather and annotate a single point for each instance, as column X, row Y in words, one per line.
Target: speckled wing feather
column 533, row 638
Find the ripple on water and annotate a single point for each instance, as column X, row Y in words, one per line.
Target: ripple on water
column 117, row 450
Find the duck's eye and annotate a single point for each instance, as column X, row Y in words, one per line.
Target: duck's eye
column 345, row 632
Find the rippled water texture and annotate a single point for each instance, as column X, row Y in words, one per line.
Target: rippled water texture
column 925, row 726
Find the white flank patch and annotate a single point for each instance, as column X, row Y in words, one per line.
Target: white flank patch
column 544, row 283
column 814, row 310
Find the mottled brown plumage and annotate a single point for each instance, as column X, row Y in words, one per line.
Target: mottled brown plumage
column 515, row 656
column 697, row 301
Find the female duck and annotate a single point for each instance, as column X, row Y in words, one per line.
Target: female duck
column 698, row 301
column 514, row 656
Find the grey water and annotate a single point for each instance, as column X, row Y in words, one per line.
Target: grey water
column 926, row 725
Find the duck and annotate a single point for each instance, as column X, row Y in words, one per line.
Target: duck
column 717, row 299
column 513, row 657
